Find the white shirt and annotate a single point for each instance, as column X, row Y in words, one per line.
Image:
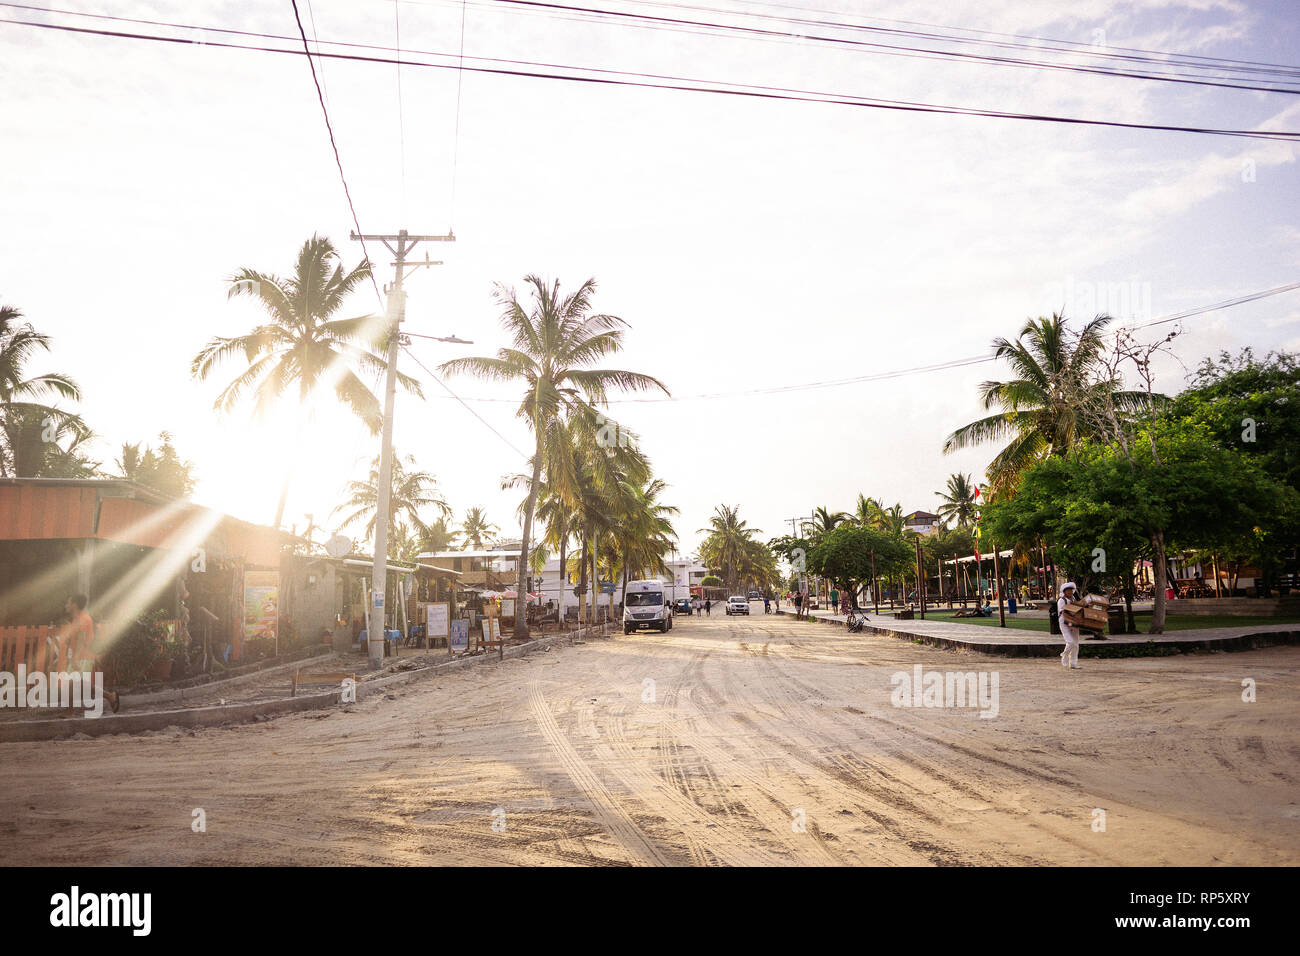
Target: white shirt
column 1067, row 628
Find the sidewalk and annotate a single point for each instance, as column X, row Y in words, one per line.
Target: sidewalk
column 1010, row 642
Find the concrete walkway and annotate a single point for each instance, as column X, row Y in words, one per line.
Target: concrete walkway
column 1012, row 642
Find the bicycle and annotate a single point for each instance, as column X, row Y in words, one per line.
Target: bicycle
column 855, row 621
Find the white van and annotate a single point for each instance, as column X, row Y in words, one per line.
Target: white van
column 644, row 605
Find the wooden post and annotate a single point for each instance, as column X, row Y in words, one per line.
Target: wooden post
column 958, row 573
column 875, row 585
column 997, row 580
column 920, row 579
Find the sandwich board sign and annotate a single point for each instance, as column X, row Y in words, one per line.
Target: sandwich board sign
column 459, row 636
column 437, row 618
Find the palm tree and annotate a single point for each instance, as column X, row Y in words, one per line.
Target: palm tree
column 28, row 426
column 824, row 522
column 437, row 536
column 893, row 521
column 645, row 531
column 413, row 491
column 1040, row 409
column 302, row 346
column 866, row 512
column 958, row 501
column 725, row 547
column 476, row 527
column 555, row 343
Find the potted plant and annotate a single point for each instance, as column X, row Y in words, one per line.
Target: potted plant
column 135, row 653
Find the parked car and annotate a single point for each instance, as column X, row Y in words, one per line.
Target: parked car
column 682, row 606
column 737, row 605
column 755, row 596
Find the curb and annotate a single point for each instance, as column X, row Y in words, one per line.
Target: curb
column 1240, row 642
column 37, row 730
column 178, row 693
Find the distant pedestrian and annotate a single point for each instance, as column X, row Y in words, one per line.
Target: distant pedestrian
column 767, row 604
column 835, row 598
column 708, row 607
column 798, row 606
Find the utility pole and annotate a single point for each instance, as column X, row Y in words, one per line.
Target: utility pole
column 396, row 307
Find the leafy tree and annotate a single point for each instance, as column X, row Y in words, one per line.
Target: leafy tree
column 1175, row 489
column 161, row 468
column 845, row 556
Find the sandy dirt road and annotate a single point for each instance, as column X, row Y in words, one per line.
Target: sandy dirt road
column 728, row 741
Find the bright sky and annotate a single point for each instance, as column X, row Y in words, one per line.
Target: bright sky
column 749, row 243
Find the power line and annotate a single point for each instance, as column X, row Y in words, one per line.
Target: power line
column 763, row 32
column 684, row 84
column 1226, row 304
column 337, row 161
column 460, row 79
column 600, row 15
column 1005, row 41
column 916, row 369
column 401, row 113
column 488, row 424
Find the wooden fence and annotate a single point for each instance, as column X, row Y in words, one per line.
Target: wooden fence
column 39, row 646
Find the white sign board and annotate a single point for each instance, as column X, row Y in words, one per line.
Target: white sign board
column 438, row 619
column 507, row 607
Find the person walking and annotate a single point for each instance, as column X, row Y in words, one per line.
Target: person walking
column 798, row 606
column 79, row 653
column 1069, row 656
column 708, row 607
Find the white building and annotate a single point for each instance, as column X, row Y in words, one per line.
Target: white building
column 494, row 569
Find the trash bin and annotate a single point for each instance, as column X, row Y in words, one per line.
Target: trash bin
column 1053, row 618
column 1118, row 623
column 1011, row 604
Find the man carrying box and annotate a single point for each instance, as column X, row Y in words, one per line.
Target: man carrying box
column 1069, row 628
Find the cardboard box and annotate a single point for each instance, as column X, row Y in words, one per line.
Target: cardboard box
column 1095, row 618
column 1096, row 600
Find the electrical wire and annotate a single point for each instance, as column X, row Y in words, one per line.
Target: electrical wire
column 486, row 423
column 401, row 112
column 763, row 32
column 460, row 79
column 338, row 162
column 682, row 84
column 916, row 369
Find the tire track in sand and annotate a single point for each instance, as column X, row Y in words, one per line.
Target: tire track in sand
column 616, row 820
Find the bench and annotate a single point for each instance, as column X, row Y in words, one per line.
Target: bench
column 330, row 677
column 906, row 614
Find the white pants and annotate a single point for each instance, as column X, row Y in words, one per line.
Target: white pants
column 1070, row 656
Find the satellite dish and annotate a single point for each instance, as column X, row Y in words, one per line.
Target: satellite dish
column 338, row 546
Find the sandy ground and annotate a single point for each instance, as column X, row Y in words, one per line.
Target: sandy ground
column 728, row 741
